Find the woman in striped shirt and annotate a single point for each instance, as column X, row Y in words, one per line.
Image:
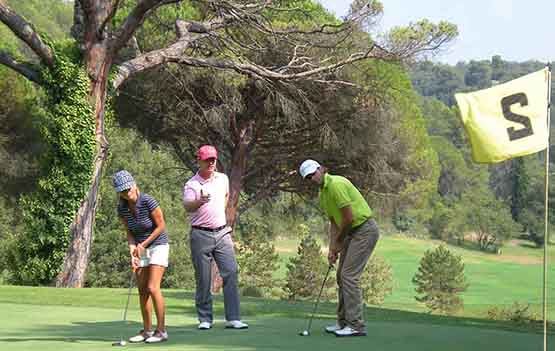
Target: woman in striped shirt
column 144, row 224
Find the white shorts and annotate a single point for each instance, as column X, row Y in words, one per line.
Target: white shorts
column 157, row 255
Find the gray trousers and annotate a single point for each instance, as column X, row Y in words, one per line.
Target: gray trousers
column 357, row 248
column 205, row 247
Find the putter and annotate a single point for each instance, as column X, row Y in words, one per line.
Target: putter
column 307, row 331
column 122, row 342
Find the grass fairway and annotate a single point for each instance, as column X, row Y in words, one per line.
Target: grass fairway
column 90, row 319
column 494, row 280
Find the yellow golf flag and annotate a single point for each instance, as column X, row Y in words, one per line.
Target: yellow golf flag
column 508, row 120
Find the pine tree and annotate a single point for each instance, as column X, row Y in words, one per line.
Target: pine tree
column 376, row 281
column 306, row 271
column 439, row 280
column 257, row 259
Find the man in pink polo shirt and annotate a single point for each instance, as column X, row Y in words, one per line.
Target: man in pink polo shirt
column 205, row 198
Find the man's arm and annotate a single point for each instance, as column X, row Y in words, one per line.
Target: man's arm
column 346, row 222
column 338, row 233
column 333, row 235
column 192, row 204
column 333, row 248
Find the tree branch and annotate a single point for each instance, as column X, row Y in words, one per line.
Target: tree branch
column 156, row 58
column 260, row 72
column 172, row 54
column 23, row 68
column 134, row 21
column 25, row 31
column 110, row 16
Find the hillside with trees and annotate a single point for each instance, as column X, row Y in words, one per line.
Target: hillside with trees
column 512, row 190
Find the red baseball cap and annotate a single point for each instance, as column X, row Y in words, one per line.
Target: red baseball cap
column 207, row 151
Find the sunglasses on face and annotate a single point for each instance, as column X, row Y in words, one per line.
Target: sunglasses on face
column 309, row 176
column 124, row 192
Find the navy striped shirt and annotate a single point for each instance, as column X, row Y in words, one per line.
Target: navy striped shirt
column 142, row 225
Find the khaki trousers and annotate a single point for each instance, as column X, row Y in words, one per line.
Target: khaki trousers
column 357, row 248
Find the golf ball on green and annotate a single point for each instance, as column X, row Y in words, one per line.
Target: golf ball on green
column 305, row 333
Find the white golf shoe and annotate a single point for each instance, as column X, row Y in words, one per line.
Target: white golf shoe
column 158, row 336
column 205, row 325
column 348, row 331
column 332, row 328
column 236, row 324
column 141, row 336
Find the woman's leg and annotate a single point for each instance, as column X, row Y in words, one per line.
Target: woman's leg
column 144, row 297
column 154, row 280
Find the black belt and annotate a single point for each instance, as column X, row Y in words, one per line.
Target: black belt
column 208, row 229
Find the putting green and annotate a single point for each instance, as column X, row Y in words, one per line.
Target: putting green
column 59, row 328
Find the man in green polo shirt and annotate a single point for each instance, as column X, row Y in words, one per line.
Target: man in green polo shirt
column 353, row 236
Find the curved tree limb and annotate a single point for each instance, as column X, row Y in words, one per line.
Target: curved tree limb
column 164, row 56
column 109, row 17
column 134, row 20
column 25, row 31
column 23, row 68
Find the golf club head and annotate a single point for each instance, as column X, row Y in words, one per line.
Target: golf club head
column 304, row 333
column 119, row 343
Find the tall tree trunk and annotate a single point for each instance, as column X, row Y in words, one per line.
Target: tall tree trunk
column 77, row 256
column 238, row 167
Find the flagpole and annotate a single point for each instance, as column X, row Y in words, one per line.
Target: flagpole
column 546, row 204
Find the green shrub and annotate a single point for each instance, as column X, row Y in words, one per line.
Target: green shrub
column 257, row 259
column 517, row 313
column 9, row 244
column 180, row 272
column 403, row 222
column 306, row 271
column 376, row 281
column 439, row 280
column 439, row 222
column 109, row 261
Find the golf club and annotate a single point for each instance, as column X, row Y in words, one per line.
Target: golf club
column 307, row 331
column 122, row 342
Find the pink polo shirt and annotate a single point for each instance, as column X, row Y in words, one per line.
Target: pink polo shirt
column 212, row 213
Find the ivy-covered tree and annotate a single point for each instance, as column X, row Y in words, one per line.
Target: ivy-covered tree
column 440, row 280
column 77, row 81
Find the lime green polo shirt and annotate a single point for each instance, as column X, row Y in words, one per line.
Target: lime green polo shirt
column 338, row 192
